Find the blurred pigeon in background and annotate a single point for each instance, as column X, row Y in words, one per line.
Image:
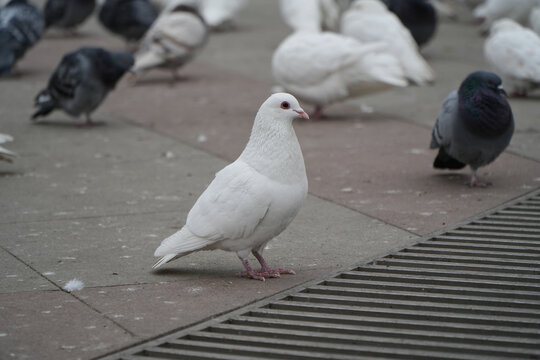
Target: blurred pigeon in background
column 418, row 16
column 5, row 154
column 175, row 38
column 82, row 81
column 492, row 10
column 21, row 26
column 314, row 15
column 364, row 21
column 514, row 52
column 218, row 14
column 323, row 68
column 252, row 200
column 67, row 14
column 474, row 126
column 128, row 18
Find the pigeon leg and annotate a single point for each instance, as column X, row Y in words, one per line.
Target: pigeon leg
column 318, row 113
column 475, row 182
column 175, row 76
column 265, row 269
column 89, row 122
column 250, row 272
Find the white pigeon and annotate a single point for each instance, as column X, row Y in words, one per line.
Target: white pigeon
column 313, row 15
column 364, row 21
column 493, row 10
column 324, row 68
column 252, row 200
column 218, row 14
column 514, row 52
column 5, row 154
column 175, row 38
column 534, row 20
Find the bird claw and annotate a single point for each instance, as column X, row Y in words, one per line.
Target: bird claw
column 477, row 183
column 266, row 274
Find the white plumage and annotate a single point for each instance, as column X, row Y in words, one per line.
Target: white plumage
column 493, row 10
column 5, row 154
column 174, row 39
column 514, row 52
column 253, row 199
column 218, row 14
column 313, row 15
column 365, row 20
column 323, row 68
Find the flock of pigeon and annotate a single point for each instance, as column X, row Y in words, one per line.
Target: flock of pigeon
column 339, row 49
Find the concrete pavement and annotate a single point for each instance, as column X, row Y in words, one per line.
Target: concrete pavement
column 94, row 203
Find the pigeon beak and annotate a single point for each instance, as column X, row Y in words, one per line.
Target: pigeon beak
column 302, row 114
column 502, row 91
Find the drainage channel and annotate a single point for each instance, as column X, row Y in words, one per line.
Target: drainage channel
column 472, row 292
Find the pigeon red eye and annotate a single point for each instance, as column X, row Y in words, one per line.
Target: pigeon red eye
column 285, row 105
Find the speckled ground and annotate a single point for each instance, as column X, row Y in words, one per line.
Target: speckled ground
column 94, row 203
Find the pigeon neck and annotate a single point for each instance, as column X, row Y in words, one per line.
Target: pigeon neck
column 273, row 150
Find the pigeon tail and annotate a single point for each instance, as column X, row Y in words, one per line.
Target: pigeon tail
column 445, row 161
column 179, row 244
column 45, row 102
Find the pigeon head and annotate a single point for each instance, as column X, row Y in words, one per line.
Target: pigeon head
column 283, row 106
column 482, row 105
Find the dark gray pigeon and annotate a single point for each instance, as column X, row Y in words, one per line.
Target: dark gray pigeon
column 82, row 81
column 419, row 16
column 474, row 126
column 21, row 26
column 128, row 18
column 67, row 14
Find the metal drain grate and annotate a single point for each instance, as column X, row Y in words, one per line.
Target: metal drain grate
column 472, row 292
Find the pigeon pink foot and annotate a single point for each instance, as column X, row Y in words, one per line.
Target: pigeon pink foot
column 475, row 182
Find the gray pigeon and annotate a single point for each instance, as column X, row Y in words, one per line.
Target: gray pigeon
column 82, row 81
column 474, row 126
column 128, row 18
column 21, row 26
column 67, row 14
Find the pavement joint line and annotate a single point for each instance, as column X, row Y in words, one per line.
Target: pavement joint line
column 59, row 288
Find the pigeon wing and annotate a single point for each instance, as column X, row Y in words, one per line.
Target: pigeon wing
column 67, row 77
column 442, row 131
column 232, row 206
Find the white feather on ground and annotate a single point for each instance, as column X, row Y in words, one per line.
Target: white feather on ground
column 73, row 285
column 514, row 52
column 364, row 21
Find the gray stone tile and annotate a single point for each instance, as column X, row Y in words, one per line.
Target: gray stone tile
column 17, row 276
column 53, row 325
